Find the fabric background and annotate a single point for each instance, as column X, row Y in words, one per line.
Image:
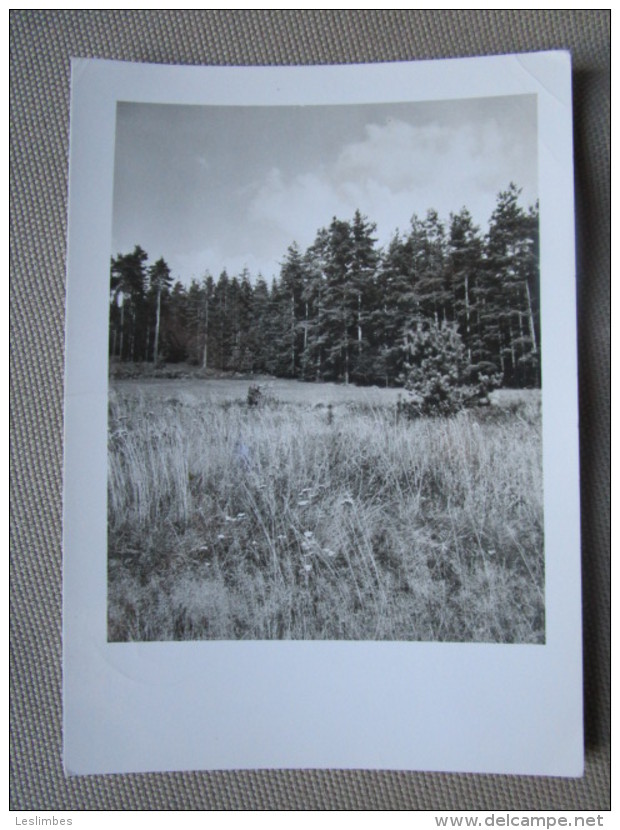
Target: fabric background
column 41, row 44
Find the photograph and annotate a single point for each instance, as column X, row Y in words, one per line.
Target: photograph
column 321, row 461
column 324, row 373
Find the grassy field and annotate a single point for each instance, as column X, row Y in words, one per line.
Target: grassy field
column 218, row 391
column 321, row 514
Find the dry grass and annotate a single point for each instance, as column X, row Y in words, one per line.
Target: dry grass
column 292, row 521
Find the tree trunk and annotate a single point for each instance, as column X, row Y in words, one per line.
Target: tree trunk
column 501, row 355
column 318, row 328
column 292, row 335
column 120, row 348
column 205, row 352
column 304, row 356
column 531, row 319
column 467, row 317
column 513, row 354
column 467, row 306
column 157, row 317
column 346, row 353
column 132, row 339
column 306, row 329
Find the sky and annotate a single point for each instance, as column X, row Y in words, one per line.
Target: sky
column 209, row 188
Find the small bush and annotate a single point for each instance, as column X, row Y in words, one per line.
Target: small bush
column 436, row 369
column 439, row 377
column 255, row 395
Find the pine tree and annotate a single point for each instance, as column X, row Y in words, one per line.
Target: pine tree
column 221, row 321
column 315, row 321
column 241, row 299
column 466, row 269
column 291, row 310
column 208, row 292
column 395, row 310
column 512, row 261
column 128, row 289
column 259, row 332
column 339, row 301
column 428, row 248
column 436, row 370
column 363, row 276
column 159, row 285
column 176, row 335
column 530, row 272
column 195, row 313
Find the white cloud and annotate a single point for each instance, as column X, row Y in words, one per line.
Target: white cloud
column 398, row 169
column 297, row 208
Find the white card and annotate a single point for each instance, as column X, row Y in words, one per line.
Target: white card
column 315, row 513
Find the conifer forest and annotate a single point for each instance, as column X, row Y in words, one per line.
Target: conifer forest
column 345, row 311
column 351, row 450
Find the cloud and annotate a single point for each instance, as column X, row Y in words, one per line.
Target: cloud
column 396, row 170
column 296, row 208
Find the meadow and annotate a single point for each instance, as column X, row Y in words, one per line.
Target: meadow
column 321, row 513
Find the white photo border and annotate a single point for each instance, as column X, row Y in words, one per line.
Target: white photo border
column 137, row 707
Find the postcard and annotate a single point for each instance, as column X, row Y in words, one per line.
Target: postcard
column 321, row 499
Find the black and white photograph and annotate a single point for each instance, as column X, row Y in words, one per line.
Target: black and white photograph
column 325, row 373
column 321, row 494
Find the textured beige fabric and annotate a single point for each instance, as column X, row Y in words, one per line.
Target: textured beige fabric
column 41, row 44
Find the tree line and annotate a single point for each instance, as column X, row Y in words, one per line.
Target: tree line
column 346, row 310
